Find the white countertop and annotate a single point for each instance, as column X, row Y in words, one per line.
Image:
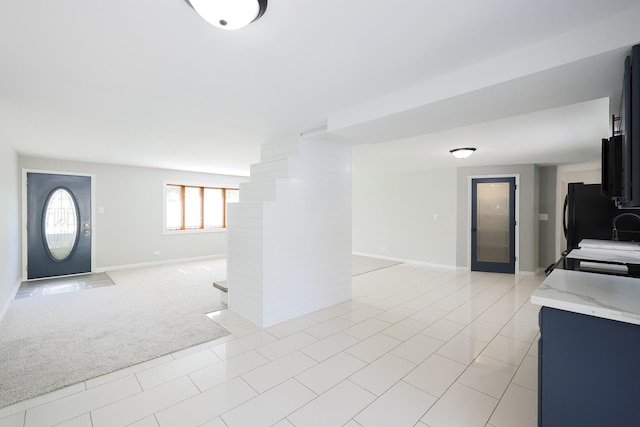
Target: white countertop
column 605, row 255
column 600, row 295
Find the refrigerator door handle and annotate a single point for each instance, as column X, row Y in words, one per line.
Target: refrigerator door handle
column 564, row 215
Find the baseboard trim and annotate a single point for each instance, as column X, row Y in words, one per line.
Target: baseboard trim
column 538, row 271
column 412, row 261
column 12, row 295
column 154, row 263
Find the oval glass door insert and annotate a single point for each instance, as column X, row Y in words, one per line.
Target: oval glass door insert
column 60, row 224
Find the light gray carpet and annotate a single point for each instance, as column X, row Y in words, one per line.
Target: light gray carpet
column 53, row 341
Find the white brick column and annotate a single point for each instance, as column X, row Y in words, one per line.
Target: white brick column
column 289, row 237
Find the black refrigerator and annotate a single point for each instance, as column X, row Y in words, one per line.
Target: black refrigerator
column 590, row 215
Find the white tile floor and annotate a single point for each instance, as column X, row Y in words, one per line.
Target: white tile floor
column 413, row 347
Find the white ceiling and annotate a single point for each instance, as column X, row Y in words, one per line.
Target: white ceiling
column 149, row 83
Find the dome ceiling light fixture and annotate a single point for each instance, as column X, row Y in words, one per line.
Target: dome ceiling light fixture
column 229, row 14
column 462, row 153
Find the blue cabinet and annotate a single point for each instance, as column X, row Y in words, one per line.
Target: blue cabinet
column 588, row 372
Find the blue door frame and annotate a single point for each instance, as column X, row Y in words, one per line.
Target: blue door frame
column 41, row 262
column 496, row 267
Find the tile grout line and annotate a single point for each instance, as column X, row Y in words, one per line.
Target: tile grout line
column 450, row 293
column 458, row 377
column 228, row 409
column 514, row 374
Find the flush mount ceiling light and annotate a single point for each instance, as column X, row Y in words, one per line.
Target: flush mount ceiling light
column 462, row 153
column 229, row 14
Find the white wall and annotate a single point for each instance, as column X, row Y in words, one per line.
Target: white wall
column 10, row 225
column 290, row 235
column 546, row 250
column 395, row 212
column 408, row 216
column 130, row 229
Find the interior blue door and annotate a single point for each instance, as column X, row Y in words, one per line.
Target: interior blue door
column 58, row 225
column 493, row 224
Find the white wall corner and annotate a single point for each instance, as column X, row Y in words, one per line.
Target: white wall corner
column 292, row 255
column 12, row 295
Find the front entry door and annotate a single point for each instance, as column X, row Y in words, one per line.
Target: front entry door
column 58, row 225
column 493, row 224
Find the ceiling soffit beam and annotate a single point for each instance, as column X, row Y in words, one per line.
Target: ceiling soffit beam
column 586, row 42
column 579, row 82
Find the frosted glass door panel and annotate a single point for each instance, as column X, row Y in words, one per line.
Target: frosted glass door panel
column 60, row 224
column 493, row 222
